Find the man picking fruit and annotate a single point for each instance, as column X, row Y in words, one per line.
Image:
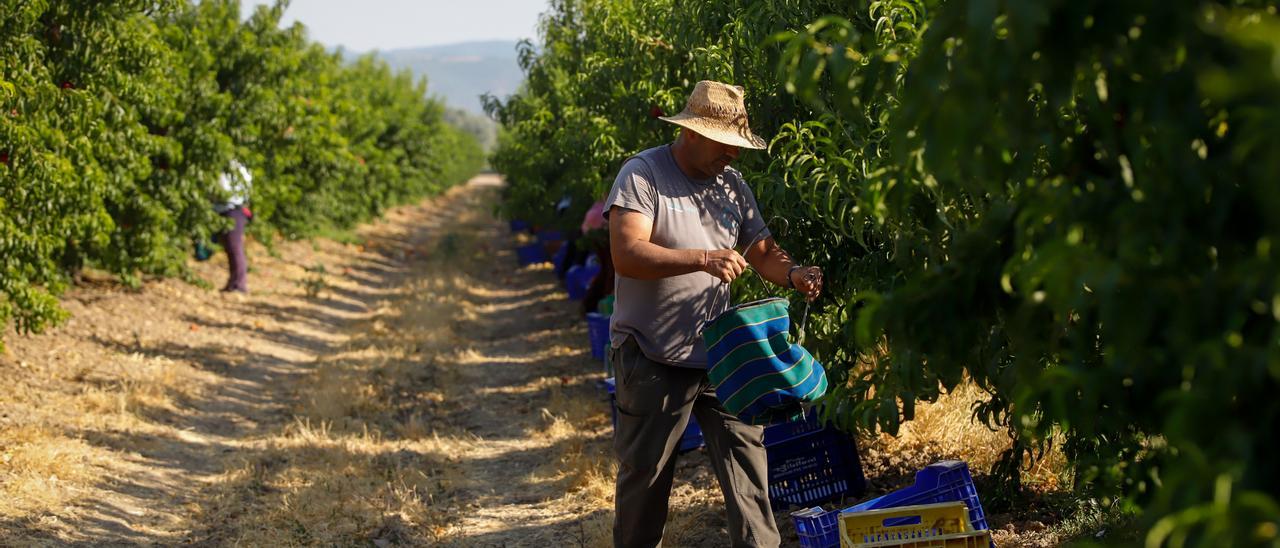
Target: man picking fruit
column 677, row 213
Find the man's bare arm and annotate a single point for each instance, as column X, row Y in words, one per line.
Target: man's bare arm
column 635, row 256
column 768, row 258
column 776, row 265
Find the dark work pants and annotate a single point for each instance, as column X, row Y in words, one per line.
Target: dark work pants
column 655, row 401
column 233, row 242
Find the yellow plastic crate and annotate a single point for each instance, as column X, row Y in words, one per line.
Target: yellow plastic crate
column 927, row 525
column 972, row 539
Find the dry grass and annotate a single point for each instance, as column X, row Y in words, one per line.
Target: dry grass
column 364, row 459
column 57, row 409
column 584, row 468
column 577, row 421
column 146, row 387
column 309, row 485
column 42, row 470
column 945, row 429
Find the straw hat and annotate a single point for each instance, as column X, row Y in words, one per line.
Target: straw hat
column 716, row 111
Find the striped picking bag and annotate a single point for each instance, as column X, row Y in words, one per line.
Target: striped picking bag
column 757, row 373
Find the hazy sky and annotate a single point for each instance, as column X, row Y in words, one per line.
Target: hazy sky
column 389, row 24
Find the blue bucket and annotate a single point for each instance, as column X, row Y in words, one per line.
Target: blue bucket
column 531, row 254
column 598, row 333
column 578, row 279
column 690, row 439
column 558, row 259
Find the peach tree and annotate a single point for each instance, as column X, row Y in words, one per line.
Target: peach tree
column 116, row 118
column 1065, row 203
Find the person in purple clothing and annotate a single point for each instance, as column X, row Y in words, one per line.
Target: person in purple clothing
column 235, row 184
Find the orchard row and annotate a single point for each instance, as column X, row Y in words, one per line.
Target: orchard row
column 1070, row 204
column 116, row 118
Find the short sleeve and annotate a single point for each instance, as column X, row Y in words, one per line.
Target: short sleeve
column 753, row 227
column 633, row 189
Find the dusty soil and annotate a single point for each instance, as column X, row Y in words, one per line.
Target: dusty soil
column 410, row 387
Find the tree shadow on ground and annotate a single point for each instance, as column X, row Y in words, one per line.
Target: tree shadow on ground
column 185, row 432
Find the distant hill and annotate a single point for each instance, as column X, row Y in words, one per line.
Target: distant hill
column 460, row 73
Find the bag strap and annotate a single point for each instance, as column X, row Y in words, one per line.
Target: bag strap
column 804, row 316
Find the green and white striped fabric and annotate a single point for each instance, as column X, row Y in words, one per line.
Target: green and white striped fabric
column 757, row 373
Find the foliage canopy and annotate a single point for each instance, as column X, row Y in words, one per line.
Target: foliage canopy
column 1066, row 202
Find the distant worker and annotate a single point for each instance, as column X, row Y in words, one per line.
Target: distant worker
column 236, row 184
column 596, row 234
column 677, row 213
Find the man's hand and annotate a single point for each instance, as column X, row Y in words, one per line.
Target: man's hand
column 808, row 280
column 634, row 256
column 725, row 264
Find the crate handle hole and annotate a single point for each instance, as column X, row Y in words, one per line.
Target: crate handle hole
column 903, row 521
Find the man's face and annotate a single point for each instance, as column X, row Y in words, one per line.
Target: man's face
column 708, row 156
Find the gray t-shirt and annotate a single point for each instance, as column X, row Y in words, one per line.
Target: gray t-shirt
column 665, row 315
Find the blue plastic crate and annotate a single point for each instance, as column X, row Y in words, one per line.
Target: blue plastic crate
column 597, row 333
column 691, row 438
column 519, row 226
column 817, row 528
column 549, row 235
column 578, row 279
column 570, row 279
column 531, row 254
column 784, row 431
column 813, row 468
column 945, row 481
